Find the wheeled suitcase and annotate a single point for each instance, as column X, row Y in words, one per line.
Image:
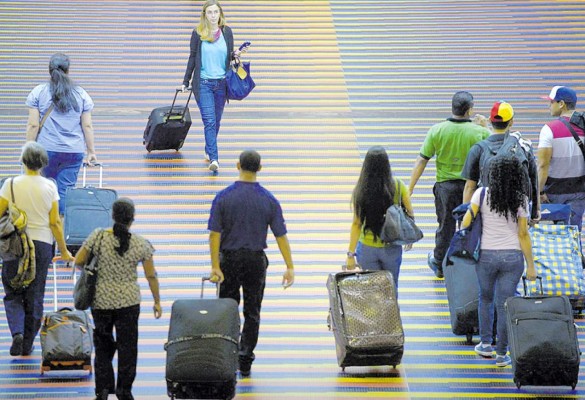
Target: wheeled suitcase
column 462, row 295
column 66, row 336
column 543, row 341
column 167, row 127
column 202, row 348
column 365, row 318
column 86, row 209
column 557, row 258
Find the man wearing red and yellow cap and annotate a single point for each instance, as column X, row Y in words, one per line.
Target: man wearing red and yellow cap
column 476, row 167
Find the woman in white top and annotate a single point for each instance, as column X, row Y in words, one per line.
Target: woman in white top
column 505, row 244
column 38, row 198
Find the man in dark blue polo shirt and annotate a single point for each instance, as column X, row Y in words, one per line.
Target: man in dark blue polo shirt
column 238, row 223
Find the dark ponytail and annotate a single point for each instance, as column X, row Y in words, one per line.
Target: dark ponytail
column 123, row 215
column 60, row 85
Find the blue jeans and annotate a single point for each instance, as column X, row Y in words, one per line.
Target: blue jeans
column 212, row 97
column 577, row 202
column 63, row 168
column 24, row 308
column 498, row 274
column 387, row 258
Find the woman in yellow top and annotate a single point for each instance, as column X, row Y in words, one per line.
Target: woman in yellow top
column 375, row 191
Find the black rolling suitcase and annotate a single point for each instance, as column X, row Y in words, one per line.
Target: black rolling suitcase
column 365, row 318
column 463, row 295
column 86, row 209
column 543, row 341
column 202, row 348
column 167, row 127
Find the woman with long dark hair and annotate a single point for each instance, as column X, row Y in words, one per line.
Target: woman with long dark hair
column 212, row 44
column 505, row 244
column 64, row 111
column 375, row 191
column 117, row 298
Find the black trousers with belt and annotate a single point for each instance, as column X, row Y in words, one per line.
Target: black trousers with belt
column 246, row 269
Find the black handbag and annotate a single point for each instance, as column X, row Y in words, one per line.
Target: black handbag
column 239, row 81
column 84, row 291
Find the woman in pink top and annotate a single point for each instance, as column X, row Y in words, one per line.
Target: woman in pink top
column 505, row 244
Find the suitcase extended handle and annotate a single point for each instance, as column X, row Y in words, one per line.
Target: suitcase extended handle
column 539, row 278
column 177, row 91
column 97, row 164
column 208, row 278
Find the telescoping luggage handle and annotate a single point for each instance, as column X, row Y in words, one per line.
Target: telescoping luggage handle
column 100, row 166
column 539, row 278
column 189, row 89
column 73, row 275
column 208, row 278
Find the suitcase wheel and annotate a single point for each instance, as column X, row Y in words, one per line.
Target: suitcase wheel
column 179, row 146
column 517, row 382
column 469, row 337
column 574, row 385
column 342, row 369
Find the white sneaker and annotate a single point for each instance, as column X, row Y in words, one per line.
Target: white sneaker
column 206, row 156
column 213, row 166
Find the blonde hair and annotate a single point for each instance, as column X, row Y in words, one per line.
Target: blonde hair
column 204, row 28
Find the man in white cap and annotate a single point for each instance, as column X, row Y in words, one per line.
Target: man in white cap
column 561, row 161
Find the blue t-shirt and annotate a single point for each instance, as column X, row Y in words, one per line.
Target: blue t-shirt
column 213, row 58
column 61, row 132
column 242, row 213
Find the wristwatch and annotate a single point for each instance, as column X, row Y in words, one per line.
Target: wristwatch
column 351, row 254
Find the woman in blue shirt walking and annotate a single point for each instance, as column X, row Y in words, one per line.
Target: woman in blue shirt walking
column 67, row 130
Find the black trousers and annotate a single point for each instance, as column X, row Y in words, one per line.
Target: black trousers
column 448, row 195
column 245, row 269
column 125, row 320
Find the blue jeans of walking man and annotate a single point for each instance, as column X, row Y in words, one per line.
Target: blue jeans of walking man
column 498, row 274
column 212, row 97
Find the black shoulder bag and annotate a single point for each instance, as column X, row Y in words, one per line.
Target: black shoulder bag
column 575, row 136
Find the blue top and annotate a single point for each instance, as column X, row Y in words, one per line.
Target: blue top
column 242, row 213
column 61, row 132
column 213, row 56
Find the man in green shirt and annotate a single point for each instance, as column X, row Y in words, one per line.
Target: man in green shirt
column 450, row 142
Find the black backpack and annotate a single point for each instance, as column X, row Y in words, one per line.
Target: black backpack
column 513, row 144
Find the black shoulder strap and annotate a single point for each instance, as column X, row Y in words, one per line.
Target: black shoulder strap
column 575, row 136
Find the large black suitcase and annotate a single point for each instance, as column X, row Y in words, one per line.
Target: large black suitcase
column 365, row 318
column 463, row 295
column 202, row 349
column 86, row 209
column 543, row 341
column 167, row 127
